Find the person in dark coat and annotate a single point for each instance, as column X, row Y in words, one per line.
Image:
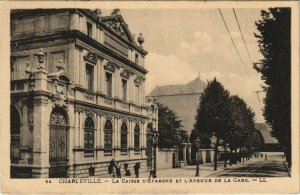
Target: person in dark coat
column 111, row 167
column 136, row 170
column 118, row 171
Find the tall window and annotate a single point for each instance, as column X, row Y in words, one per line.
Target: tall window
column 108, row 77
column 136, row 138
column 137, row 94
column 89, row 29
column 89, row 137
column 124, row 137
column 90, row 77
column 108, row 137
column 124, row 89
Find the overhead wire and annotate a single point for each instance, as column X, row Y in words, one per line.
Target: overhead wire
column 242, row 35
column 232, row 40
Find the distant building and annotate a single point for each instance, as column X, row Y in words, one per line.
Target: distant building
column 270, row 143
column 80, row 102
column 183, row 100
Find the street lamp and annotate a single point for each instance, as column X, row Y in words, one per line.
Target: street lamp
column 154, row 144
column 197, row 143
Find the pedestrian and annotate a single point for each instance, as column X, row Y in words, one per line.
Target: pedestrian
column 118, row 171
column 266, row 157
column 127, row 172
column 111, row 167
column 151, row 173
column 136, row 170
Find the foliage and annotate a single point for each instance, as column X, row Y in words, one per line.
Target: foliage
column 274, row 42
column 169, row 128
column 212, row 112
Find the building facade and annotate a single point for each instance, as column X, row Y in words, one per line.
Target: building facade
column 183, row 100
column 78, row 102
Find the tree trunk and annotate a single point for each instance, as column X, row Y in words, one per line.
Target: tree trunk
column 225, row 155
column 230, row 157
column 216, row 155
column 288, row 155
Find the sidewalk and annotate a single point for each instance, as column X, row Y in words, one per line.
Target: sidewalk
column 190, row 171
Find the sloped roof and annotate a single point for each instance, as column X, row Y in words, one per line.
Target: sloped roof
column 182, row 99
column 195, row 86
column 265, row 131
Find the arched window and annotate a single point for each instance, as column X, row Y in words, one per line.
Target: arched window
column 124, row 139
column 136, row 138
column 89, row 137
column 108, row 128
column 15, row 124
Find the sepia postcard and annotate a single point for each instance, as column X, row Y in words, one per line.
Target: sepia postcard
column 149, row 97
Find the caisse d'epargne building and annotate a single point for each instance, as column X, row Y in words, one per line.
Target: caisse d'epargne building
column 77, row 94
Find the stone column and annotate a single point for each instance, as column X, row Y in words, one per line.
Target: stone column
column 184, row 154
column 71, row 134
column 24, row 135
column 81, row 131
column 81, row 69
column 76, row 63
column 102, row 77
column 76, row 142
column 117, row 83
column 41, row 128
column 102, row 119
column 189, row 153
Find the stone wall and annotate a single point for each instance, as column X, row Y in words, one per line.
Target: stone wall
column 165, row 158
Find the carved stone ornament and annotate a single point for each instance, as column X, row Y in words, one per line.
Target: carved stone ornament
column 91, row 57
column 125, row 73
column 89, row 114
column 108, row 117
column 110, row 66
column 116, row 26
column 59, row 99
column 138, row 80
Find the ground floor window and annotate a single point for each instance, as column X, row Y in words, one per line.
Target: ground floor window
column 137, row 138
column 108, row 129
column 124, row 133
column 89, row 137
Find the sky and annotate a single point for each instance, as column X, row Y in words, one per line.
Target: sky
column 185, row 43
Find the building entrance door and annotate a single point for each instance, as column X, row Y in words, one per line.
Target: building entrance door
column 58, row 144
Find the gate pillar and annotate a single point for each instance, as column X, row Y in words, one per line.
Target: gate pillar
column 40, row 118
column 40, row 138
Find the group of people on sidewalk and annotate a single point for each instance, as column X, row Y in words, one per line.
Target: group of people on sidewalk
column 114, row 169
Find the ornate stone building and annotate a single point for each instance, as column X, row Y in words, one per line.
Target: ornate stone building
column 78, row 102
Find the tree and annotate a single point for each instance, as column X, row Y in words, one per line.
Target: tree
column 274, row 42
column 212, row 114
column 169, row 128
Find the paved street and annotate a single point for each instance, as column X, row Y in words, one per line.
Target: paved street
column 258, row 167
column 272, row 167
